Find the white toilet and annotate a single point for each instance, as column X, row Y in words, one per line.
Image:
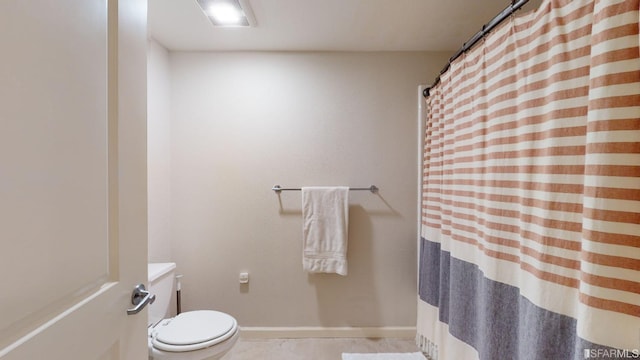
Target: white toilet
column 192, row 335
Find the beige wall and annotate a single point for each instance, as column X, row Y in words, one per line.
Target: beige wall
column 243, row 122
column 158, row 152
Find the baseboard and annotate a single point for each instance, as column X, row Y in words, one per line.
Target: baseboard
column 251, row 332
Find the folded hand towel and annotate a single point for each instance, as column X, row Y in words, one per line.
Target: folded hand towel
column 325, row 213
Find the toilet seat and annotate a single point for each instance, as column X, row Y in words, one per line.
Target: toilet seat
column 193, row 330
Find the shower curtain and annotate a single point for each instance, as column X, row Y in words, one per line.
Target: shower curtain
column 530, row 236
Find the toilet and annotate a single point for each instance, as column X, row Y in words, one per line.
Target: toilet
column 191, row 335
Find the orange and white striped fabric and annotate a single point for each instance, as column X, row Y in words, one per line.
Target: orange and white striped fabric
column 531, row 189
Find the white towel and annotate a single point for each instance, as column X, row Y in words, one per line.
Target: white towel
column 325, row 214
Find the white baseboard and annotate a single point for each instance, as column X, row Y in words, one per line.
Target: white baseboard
column 251, row 332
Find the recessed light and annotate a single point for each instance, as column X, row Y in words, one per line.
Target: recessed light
column 230, row 13
column 225, row 13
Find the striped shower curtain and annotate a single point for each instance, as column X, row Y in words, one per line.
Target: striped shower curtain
column 530, row 237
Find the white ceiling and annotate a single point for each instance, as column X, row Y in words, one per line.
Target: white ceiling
column 327, row 25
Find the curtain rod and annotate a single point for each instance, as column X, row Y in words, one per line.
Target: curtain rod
column 515, row 6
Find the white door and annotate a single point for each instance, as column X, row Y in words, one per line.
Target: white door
column 72, row 178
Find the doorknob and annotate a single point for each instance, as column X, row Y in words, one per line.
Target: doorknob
column 140, row 298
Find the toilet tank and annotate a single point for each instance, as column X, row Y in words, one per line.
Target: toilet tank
column 161, row 284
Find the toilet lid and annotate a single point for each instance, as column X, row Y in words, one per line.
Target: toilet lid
column 194, row 330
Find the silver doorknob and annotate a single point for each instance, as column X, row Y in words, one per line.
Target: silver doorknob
column 140, row 298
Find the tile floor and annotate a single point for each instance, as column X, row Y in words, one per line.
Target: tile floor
column 314, row 349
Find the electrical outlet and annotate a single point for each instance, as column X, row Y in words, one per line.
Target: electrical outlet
column 244, row 278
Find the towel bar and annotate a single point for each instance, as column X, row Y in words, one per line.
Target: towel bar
column 277, row 188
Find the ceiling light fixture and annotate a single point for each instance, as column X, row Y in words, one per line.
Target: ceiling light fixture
column 230, row 13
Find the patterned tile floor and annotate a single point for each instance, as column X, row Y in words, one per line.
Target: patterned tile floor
column 314, row 349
